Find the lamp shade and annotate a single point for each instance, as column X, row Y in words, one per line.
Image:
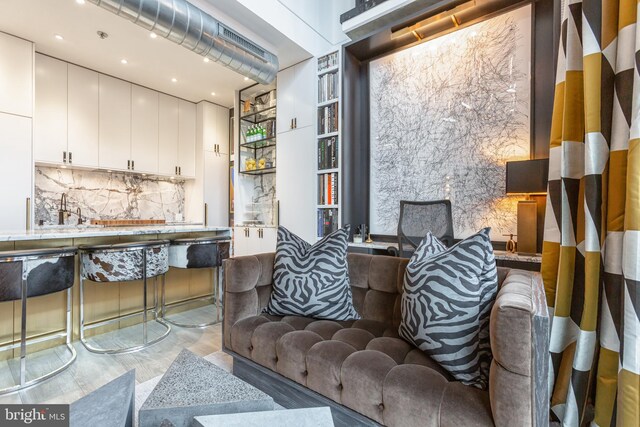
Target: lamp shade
column 527, row 176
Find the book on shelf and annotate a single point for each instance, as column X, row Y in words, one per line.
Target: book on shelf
column 327, row 61
column 328, row 119
column 327, row 87
column 327, row 221
column 328, row 188
column 328, row 153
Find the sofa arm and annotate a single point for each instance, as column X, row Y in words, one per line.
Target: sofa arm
column 519, row 329
column 246, row 287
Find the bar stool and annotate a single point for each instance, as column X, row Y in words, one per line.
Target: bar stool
column 122, row 263
column 32, row 273
column 201, row 252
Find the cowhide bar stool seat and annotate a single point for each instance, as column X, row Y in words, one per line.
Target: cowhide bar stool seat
column 33, row 273
column 201, row 252
column 124, row 262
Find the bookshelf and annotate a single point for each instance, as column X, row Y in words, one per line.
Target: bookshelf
column 328, row 143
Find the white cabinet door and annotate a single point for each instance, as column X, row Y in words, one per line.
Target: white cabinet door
column 296, row 182
column 50, row 115
column 209, row 124
column 83, row 112
column 216, row 188
column 267, row 240
column 168, row 135
column 16, row 169
column 187, row 139
column 115, row 123
column 285, row 106
column 144, row 129
column 241, row 241
column 222, row 129
column 305, row 89
column 16, row 76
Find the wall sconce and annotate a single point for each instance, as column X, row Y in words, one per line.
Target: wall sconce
column 417, row 29
column 527, row 177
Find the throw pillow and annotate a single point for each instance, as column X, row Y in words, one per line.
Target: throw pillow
column 447, row 300
column 312, row 280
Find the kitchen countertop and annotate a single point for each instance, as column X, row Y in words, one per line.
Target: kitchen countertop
column 96, row 231
column 503, row 255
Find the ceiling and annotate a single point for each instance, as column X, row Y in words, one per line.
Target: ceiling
column 150, row 62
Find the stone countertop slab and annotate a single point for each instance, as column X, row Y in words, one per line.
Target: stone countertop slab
column 93, row 231
column 191, row 387
column 307, row 417
column 503, row 255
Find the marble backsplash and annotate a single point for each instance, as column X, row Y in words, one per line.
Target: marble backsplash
column 106, row 195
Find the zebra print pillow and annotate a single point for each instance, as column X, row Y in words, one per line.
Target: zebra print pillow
column 447, row 299
column 312, row 281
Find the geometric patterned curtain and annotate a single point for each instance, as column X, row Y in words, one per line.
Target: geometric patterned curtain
column 591, row 251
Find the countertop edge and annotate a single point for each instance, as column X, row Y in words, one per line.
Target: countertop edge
column 51, row 234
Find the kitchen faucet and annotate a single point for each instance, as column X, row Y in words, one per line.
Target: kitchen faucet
column 62, row 212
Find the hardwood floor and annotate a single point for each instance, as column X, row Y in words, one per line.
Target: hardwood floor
column 91, row 370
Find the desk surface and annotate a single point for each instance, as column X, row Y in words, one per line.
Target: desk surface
column 502, row 255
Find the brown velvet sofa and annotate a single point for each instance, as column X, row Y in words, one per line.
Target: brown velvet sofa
column 365, row 371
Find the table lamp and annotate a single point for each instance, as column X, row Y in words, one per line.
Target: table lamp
column 527, row 177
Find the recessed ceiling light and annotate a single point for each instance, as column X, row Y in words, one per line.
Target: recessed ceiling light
column 80, row 1
column 213, row 94
column 153, row 35
column 206, row 59
column 246, row 78
column 174, row 80
column 59, row 37
column 123, row 61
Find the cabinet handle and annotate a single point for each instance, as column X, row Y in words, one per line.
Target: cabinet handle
column 295, row 122
column 180, row 170
column 64, row 157
column 291, row 126
column 128, row 164
column 70, row 159
column 133, row 165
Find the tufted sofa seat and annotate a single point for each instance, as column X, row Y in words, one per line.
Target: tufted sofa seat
column 365, row 366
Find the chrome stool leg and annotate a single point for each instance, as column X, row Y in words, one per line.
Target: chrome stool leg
column 23, row 328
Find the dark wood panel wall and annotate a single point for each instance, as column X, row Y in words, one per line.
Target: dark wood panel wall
column 355, row 113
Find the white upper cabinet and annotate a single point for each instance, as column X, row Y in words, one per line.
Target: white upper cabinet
column 286, row 95
column 50, row 116
column 115, row 123
column 16, row 76
column 222, row 131
column 83, row 114
column 87, row 119
column 215, row 128
column 296, row 97
column 144, row 129
column 305, row 84
column 187, row 139
column 168, row 135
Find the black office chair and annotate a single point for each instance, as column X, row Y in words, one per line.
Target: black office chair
column 418, row 218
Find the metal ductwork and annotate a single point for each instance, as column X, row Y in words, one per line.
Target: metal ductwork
column 190, row 27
